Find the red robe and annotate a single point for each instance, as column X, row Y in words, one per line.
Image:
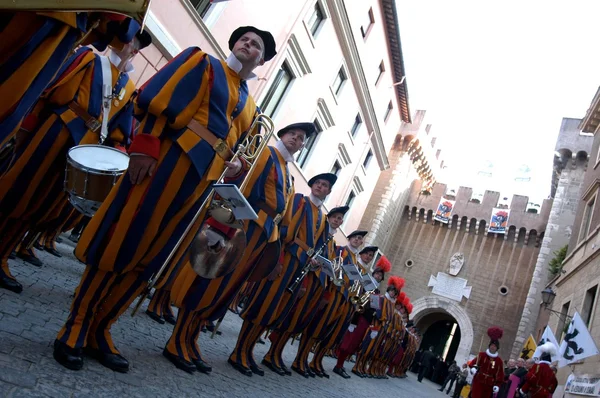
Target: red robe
column 540, row 381
column 490, row 373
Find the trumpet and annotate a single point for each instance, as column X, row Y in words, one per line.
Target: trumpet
column 338, row 271
column 205, row 261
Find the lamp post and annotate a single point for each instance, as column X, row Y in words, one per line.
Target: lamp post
column 548, row 296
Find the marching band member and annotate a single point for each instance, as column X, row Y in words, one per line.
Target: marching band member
column 360, row 321
column 327, row 317
column 270, row 302
column 194, row 112
column 490, row 369
column 270, row 191
column 35, row 45
column 32, row 187
column 372, row 343
column 540, row 381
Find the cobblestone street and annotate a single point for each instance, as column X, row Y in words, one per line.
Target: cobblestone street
column 30, row 321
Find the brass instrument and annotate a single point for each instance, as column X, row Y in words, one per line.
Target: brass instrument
column 136, row 9
column 249, row 150
column 338, row 270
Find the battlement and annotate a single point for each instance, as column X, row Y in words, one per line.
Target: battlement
column 478, row 212
column 572, row 149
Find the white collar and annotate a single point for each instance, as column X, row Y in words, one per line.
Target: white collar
column 489, row 354
column 387, row 296
column 316, row 201
column 237, row 66
column 116, row 61
column 352, row 249
column 332, row 231
column 283, row 151
column 546, row 362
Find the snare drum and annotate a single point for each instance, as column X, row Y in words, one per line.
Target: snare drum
column 91, row 172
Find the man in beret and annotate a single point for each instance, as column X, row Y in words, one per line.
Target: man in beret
column 365, row 257
column 270, row 302
column 193, row 114
column 270, row 191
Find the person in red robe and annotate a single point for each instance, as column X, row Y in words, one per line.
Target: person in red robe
column 490, row 369
column 540, row 381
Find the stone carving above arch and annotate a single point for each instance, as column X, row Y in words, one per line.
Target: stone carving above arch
column 432, row 304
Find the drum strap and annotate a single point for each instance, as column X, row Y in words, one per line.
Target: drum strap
column 107, row 90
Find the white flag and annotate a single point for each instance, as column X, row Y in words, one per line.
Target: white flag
column 547, row 336
column 577, row 344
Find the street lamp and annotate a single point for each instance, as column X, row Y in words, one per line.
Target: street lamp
column 548, row 297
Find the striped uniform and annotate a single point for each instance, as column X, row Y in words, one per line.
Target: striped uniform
column 137, row 226
column 269, row 187
column 33, row 47
column 32, row 187
column 270, row 302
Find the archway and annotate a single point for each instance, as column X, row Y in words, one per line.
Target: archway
column 446, row 309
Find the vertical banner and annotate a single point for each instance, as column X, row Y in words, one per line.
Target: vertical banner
column 499, row 221
column 444, row 210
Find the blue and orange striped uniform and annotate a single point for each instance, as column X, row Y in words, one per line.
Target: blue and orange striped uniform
column 137, row 226
column 270, row 302
column 31, row 189
column 269, row 187
column 326, row 330
column 33, row 48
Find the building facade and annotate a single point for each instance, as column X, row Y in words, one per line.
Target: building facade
column 339, row 65
column 577, row 286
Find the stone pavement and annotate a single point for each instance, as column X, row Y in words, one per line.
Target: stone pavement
column 30, row 321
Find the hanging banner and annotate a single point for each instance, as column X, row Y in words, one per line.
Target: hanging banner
column 547, row 336
column 499, row 221
column 577, row 344
column 588, row 385
column 444, row 210
column 528, row 348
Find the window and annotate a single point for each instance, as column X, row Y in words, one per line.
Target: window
column 562, row 320
column 366, row 28
column 368, row 159
column 281, row 84
column 388, row 111
column 338, row 83
column 316, row 17
column 587, row 219
column 308, row 146
column 356, row 125
column 588, row 305
column 350, row 199
column 381, row 72
column 202, row 6
column 337, row 168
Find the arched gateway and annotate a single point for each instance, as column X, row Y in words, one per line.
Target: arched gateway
column 428, row 305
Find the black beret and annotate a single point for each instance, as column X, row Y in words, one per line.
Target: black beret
column 266, row 37
column 357, row 233
column 308, row 128
column 369, row 249
column 332, row 178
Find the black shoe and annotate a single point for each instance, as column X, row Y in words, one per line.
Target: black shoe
column 315, row 371
column 169, row 318
column 58, row 239
column 179, row 362
column 74, row 238
column 324, row 374
column 12, row 256
column 257, row 370
column 155, row 317
column 310, row 372
column 53, row 251
column 341, row 372
column 115, row 362
column 301, row 372
column 286, row 370
column 440, row 389
column 356, row 372
column 273, row 368
column 30, row 258
column 36, row 245
column 202, row 366
column 10, row 284
column 240, row 368
column 70, row 358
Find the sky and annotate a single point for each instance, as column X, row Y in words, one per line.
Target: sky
column 496, row 79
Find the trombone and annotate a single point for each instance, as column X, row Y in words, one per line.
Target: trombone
column 249, row 150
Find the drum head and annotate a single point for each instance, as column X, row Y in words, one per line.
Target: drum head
column 98, row 157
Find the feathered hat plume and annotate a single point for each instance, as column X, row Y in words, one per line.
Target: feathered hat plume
column 396, row 282
column 383, row 264
column 495, row 334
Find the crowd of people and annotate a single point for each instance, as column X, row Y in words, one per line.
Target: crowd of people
column 181, row 130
